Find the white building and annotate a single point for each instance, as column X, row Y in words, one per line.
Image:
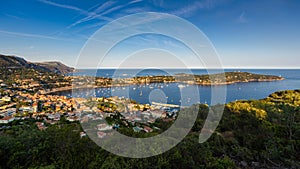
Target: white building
column 104, row 127
column 6, row 119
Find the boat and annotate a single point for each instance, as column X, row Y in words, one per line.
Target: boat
column 141, row 93
column 181, row 86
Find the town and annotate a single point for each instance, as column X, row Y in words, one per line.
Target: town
column 18, row 104
column 29, row 93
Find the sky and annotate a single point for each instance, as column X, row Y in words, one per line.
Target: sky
column 245, row 34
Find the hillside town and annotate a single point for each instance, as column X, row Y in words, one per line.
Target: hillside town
column 29, row 93
column 17, row 104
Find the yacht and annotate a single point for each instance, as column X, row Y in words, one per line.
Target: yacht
column 181, row 86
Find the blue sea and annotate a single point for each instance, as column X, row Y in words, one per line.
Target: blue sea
column 180, row 94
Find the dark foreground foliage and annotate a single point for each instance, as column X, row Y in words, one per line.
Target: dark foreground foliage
column 252, row 134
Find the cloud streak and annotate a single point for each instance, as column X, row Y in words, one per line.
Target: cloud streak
column 63, row 6
column 93, row 15
column 192, row 8
column 98, row 12
column 13, row 16
column 28, row 35
column 103, row 10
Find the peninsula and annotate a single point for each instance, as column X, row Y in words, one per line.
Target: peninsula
column 81, row 82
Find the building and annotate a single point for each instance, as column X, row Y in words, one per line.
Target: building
column 104, row 127
column 41, row 125
column 6, row 99
column 6, row 119
column 82, row 134
column 24, row 110
column 11, row 112
column 147, row 129
column 101, row 134
column 72, row 118
column 137, row 129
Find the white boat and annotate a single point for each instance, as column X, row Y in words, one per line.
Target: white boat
column 181, row 86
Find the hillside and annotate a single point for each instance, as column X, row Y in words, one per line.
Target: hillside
column 55, row 67
column 18, row 62
column 12, row 61
column 251, row 134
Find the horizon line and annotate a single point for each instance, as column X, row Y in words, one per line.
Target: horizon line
column 215, row 68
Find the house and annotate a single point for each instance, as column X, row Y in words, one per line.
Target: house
column 26, row 110
column 50, row 116
column 104, row 127
column 11, row 112
column 6, row 119
column 137, row 119
column 6, row 99
column 101, row 134
column 82, row 134
column 164, row 115
column 72, row 118
column 137, row 129
column 147, row 129
column 56, row 116
column 41, row 125
column 157, row 113
column 3, row 85
column 145, row 114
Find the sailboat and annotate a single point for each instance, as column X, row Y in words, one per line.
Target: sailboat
column 141, row 93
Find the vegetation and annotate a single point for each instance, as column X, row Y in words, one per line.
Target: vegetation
column 32, row 80
column 252, row 134
column 213, row 79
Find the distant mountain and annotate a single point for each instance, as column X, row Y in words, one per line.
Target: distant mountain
column 55, row 67
column 18, row 62
column 13, row 61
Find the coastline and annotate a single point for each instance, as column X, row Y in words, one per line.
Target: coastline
column 75, row 87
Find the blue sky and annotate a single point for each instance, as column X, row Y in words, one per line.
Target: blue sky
column 257, row 33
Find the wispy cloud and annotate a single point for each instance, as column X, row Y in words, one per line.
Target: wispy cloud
column 28, row 35
column 242, row 18
column 135, row 1
column 94, row 14
column 63, row 6
column 104, row 9
column 74, row 8
column 99, row 12
column 192, row 8
column 13, row 16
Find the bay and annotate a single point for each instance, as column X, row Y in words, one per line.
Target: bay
column 174, row 93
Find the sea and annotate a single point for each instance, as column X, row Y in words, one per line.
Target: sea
column 182, row 94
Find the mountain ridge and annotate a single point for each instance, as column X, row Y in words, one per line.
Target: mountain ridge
column 16, row 62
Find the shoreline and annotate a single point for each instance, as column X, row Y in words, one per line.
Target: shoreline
column 70, row 88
